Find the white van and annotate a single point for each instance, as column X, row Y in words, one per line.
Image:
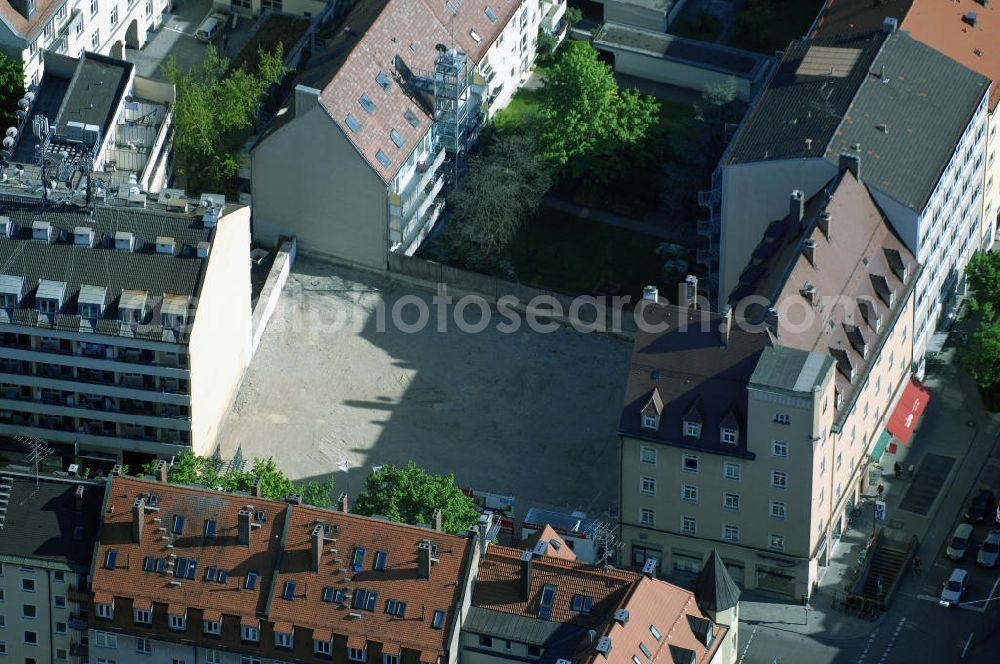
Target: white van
column 208, row 29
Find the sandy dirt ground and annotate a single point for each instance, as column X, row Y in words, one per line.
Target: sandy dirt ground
column 528, row 414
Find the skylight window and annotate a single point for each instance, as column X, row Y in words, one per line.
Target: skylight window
column 545, row 605
column 411, row 118
column 289, row 592
column 110, row 559
column 382, row 79
column 209, row 528
column 178, row 524
column 367, row 104
column 491, row 15
column 180, row 570
column 475, row 36
column 221, row 576
column 452, row 7
column 251, row 580
column 161, row 565
column 358, row 559
column 328, row 594
column 210, row 574
column 148, row 564
column 380, row 557
column 655, row 632
column 438, row 620
column 383, row 158
column 370, row 601
column 353, row 124
column 582, row 603
column 338, row 595
column 397, row 138
column 360, row 596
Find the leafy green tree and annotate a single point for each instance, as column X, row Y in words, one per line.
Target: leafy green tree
column 586, row 123
column 545, row 47
column 11, row 88
column 214, row 113
column 982, row 357
column 502, row 188
column 983, row 278
column 572, row 16
column 411, row 494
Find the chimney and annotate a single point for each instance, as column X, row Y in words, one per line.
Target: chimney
column 809, row 250
column 889, row 25
column 78, row 498
column 726, row 326
column 809, row 292
column 138, row 518
column 342, row 505
column 424, row 560
column 690, row 300
column 824, row 223
column 525, row 575
column 255, row 489
column 651, row 294
column 772, row 321
column 438, row 520
column 317, row 541
column 294, row 499
column 797, row 206
column 850, row 162
column 116, row 470
column 162, row 471
column 243, row 519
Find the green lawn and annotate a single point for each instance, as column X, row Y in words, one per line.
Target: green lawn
column 561, row 252
column 276, row 28
column 518, row 112
column 767, row 26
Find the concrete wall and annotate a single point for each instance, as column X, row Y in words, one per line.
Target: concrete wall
column 310, row 182
column 220, row 345
column 629, row 14
column 991, row 192
column 271, row 292
column 652, row 68
column 754, row 195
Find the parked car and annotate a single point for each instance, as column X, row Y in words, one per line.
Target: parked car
column 960, row 540
column 954, row 587
column 990, row 550
column 209, row 28
column 980, row 506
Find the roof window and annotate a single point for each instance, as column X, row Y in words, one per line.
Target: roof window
column 438, row 621
column 382, row 79
column 545, row 605
column 289, row 592
column 209, row 528
column 367, row 104
column 110, row 559
column 411, row 118
column 178, row 524
column 452, row 7
column 380, row 557
column 383, row 158
column 397, row 138
column 353, row 124
column 475, row 36
column 490, row 14
column 251, row 580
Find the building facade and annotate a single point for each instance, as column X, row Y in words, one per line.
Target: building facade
column 756, row 432
column 384, row 119
column 29, row 28
column 210, row 578
column 805, row 123
column 249, row 8
column 49, row 529
column 125, row 334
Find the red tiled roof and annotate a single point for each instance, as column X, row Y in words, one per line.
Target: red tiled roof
column 160, row 543
column 399, row 581
column 498, row 586
column 284, row 628
column 408, row 30
column 30, row 28
column 356, row 641
column 556, row 545
column 326, row 634
column 211, row 615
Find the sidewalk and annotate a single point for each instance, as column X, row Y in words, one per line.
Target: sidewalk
column 954, row 425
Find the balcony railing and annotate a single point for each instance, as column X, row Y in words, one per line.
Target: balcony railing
column 413, row 195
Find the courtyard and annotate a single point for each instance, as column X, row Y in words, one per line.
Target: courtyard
column 527, row 414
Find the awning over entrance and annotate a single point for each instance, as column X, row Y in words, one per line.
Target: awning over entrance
column 909, row 409
column 879, row 449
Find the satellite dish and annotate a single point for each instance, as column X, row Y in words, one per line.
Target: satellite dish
column 12, row 132
column 8, row 142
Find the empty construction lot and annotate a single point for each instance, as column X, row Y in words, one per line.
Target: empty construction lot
column 528, row 414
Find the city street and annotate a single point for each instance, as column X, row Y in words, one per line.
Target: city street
column 958, row 443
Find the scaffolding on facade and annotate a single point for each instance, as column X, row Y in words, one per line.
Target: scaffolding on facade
column 453, row 125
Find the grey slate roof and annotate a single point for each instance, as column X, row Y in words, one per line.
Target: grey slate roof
column 903, row 103
column 926, row 104
column 102, row 266
column 561, row 522
column 791, row 369
column 41, row 522
column 501, row 625
column 715, row 590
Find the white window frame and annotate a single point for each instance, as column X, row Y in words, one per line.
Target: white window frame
column 647, row 455
column 731, row 501
column 250, row 634
column 394, row 659
column 322, row 647
column 729, row 436
column 779, row 449
column 105, row 611
column 213, row 657
column 357, row 654
column 282, row 640
column 690, row 457
column 692, row 429
column 143, row 646
column 212, row 627
column 689, row 493
column 778, row 510
column 647, row 485
column 784, row 479
column 727, row 528
column 650, row 422
column 178, row 623
column 107, row 640
column 782, row 418
column 775, row 542
column 730, row 465
column 645, row 512
column 142, row 617
column 689, row 525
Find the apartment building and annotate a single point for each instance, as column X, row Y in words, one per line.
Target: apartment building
column 199, row 577
column 355, row 166
column 756, row 431
column 49, row 527
column 251, row 8
column 916, row 120
column 124, row 333
column 69, row 27
column 534, row 605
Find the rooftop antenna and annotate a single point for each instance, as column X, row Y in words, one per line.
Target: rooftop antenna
column 38, row 451
column 607, row 539
column 43, row 134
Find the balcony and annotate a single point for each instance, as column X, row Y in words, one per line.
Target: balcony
column 78, row 596
column 413, row 195
column 552, row 16
column 62, row 39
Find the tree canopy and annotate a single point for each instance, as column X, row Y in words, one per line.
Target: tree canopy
column 502, row 188
column 982, row 357
column 215, row 110
column 586, row 123
column 11, row 89
column 189, row 468
column 983, row 278
column 410, row 495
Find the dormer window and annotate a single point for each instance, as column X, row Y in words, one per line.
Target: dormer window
column 650, row 422
column 174, row 311
column 11, row 290
column 132, row 306
column 283, row 639
column 41, row 231
column 124, row 241
column 178, row 620
column 692, row 429
column 105, row 610
column 729, row 436
column 692, row 421
column 652, row 410
column 83, row 236
column 90, row 302
column 143, row 616
column 50, row 296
